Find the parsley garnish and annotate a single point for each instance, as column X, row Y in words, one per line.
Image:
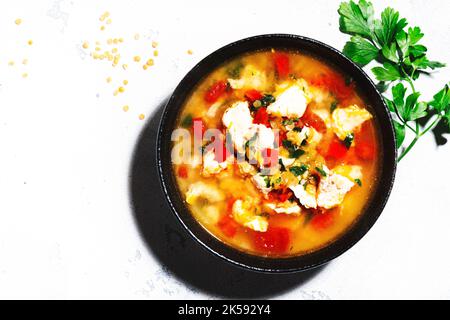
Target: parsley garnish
column 267, row 99
column 321, row 171
column 293, row 151
column 282, row 167
column 235, row 71
column 349, row 140
column 358, row 182
column 402, row 59
column 298, row 170
column 333, row 106
column 187, row 121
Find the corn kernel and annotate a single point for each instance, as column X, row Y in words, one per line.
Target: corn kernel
column 124, row 66
column 125, row 82
column 102, row 28
column 18, row 21
column 114, row 50
column 11, row 63
column 126, row 108
column 154, row 44
column 155, row 53
column 115, row 92
column 108, row 79
column 108, row 21
column 85, row 45
column 98, row 48
column 25, row 61
column 24, row 75
column 109, row 41
column 145, row 67
column 150, row 62
column 121, row 89
column 30, row 42
column 137, row 58
column 141, row 117
column 190, row 51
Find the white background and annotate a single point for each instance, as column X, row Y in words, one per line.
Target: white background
column 67, row 224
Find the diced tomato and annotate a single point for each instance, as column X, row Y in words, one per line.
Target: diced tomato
column 228, row 226
column 216, row 91
column 183, row 171
column 280, row 195
column 365, row 150
column 199, row 128
column 274, row 240
column 261, row 117
column 312, row 120
column 253, row 95
column 336, row 150
column 270, row 157
column 321, row 221
column 365, row 142
column 335, row 83
column 226, row 223
column 281, row 64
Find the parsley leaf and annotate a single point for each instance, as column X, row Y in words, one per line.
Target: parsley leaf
column 356, row 19
column 360, row 50
column 321, row 171
column 389, row 72
column 400, row 132
column 298, row 170
column 349, row 140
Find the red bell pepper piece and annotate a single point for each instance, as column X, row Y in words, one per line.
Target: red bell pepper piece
column 226, row 223
column 321, row 221
column 252, row 95
column 261, row 117
column 275, row 240
column 281, row 64
column 216, row 91
column 336, row 150
column 182, row 171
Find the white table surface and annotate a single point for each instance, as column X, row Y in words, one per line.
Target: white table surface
column 67, row 223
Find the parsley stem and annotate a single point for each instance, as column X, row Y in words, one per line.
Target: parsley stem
column 411, row 145
column 432, row 125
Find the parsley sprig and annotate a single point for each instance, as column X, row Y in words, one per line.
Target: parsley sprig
column 402, row 60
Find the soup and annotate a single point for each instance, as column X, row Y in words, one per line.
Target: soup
column 275, row 153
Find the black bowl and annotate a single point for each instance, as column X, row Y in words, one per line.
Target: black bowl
column 366, row 88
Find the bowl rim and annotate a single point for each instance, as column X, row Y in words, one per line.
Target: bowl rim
column 249, row 261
